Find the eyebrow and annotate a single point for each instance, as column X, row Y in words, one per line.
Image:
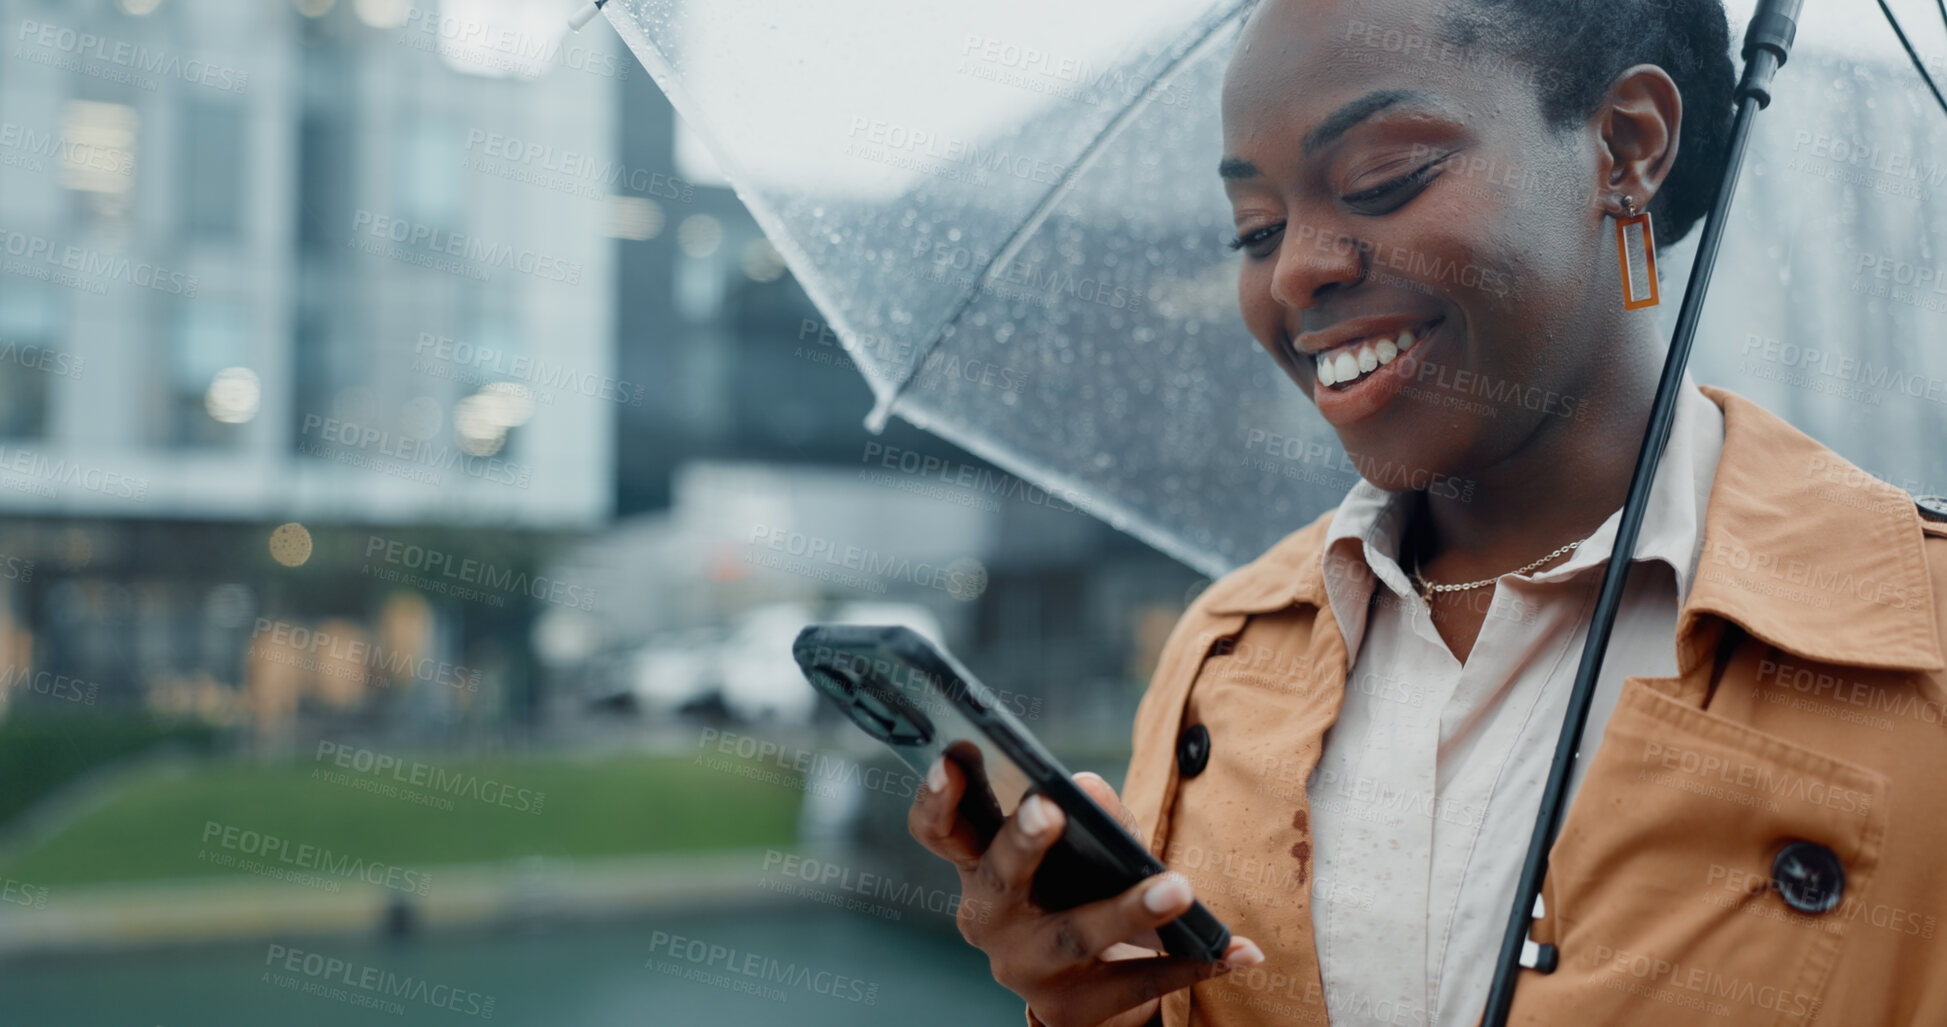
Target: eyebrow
column 1334, row 126
column 1235, row 168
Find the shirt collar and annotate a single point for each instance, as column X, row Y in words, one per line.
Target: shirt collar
column 1369, row 521
column 1673, row 523
column 1801, row 548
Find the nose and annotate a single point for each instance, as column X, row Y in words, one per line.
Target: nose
column 1312, row 258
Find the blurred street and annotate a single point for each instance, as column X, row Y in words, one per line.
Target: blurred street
column 414, row 464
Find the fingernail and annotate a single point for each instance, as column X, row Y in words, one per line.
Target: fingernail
column 1169, row 893
column 936, row 775
column 1245, row 954
column 1034, row 818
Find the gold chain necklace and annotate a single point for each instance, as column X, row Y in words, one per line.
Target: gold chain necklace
column 1428, row 587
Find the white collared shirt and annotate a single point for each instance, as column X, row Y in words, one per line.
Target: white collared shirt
column 1426, row 793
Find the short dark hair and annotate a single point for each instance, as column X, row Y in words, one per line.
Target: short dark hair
column 1578, row 47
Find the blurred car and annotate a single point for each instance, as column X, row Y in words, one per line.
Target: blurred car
column 673, row 671
column 748, row 667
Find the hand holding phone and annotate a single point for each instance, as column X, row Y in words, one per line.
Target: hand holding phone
column 1084, row 966
column 1056, row 888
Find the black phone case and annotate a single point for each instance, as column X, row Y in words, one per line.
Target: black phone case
column 858, row 668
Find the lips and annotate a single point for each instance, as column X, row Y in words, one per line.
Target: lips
column 1348, row 363
column 1371, row 379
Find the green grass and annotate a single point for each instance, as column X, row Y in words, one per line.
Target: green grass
column 42, row 751
column 154, row 827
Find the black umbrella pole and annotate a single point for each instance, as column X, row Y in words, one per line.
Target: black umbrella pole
column 1766, row 45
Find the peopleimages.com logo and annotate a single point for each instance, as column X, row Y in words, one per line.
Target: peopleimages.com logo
column 48, row 683
column 285, row 854
column 572, row 164
column 20, row 893
column 30, row 149
column 416, row 458
column 365, row 985
column 472, row 578
column 487, row 44
column 39, row 358
column 324, row 651
column 443, row 357
column 41, row 467
column 118, row 60
column 726, row 966
column 66, row 264
column 394, row 770
column 422, row 244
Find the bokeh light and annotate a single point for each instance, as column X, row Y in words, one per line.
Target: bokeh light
column 234, row 395
column 290, row 544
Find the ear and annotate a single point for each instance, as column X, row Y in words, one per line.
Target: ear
column 1638, row 124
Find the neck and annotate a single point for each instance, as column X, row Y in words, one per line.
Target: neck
column 1558, row 486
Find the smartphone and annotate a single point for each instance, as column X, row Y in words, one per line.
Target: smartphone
column 917, row 699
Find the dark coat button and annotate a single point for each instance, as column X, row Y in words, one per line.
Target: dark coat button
column 1933, row 508
column 1808, row 876
column 1192, row 750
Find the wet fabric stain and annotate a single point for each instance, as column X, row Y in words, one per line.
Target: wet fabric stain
column 1302, row 849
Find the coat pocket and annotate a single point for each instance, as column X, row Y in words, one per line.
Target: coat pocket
column 1685, row 885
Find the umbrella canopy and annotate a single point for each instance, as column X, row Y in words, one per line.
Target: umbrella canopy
column 1010, row 215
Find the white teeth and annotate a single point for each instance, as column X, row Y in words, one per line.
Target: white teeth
column 1345, row 364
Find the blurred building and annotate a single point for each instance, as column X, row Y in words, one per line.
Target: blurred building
column 752, row 441
column 341, row 264
column 326, row 324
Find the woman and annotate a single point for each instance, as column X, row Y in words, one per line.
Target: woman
column 1343, row 748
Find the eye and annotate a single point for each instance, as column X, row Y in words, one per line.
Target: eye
column 1393, row 187
column 1255, row 240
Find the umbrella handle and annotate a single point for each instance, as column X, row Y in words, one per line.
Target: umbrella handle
column 1767, row 43
column 586, row 14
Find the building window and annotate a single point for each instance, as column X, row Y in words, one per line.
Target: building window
column 30, row 362
column 211, row 184
column 324, row 212
column 213, row 392
column 430, row 188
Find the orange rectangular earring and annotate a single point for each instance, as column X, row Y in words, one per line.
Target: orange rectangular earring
column 1636, row 255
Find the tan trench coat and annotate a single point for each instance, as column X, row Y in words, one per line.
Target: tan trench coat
column 1808, row 706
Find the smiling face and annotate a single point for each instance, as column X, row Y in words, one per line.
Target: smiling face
column 1378, row 187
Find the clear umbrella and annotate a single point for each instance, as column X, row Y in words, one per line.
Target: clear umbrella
column 1009, row 214
column 1140, row 405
